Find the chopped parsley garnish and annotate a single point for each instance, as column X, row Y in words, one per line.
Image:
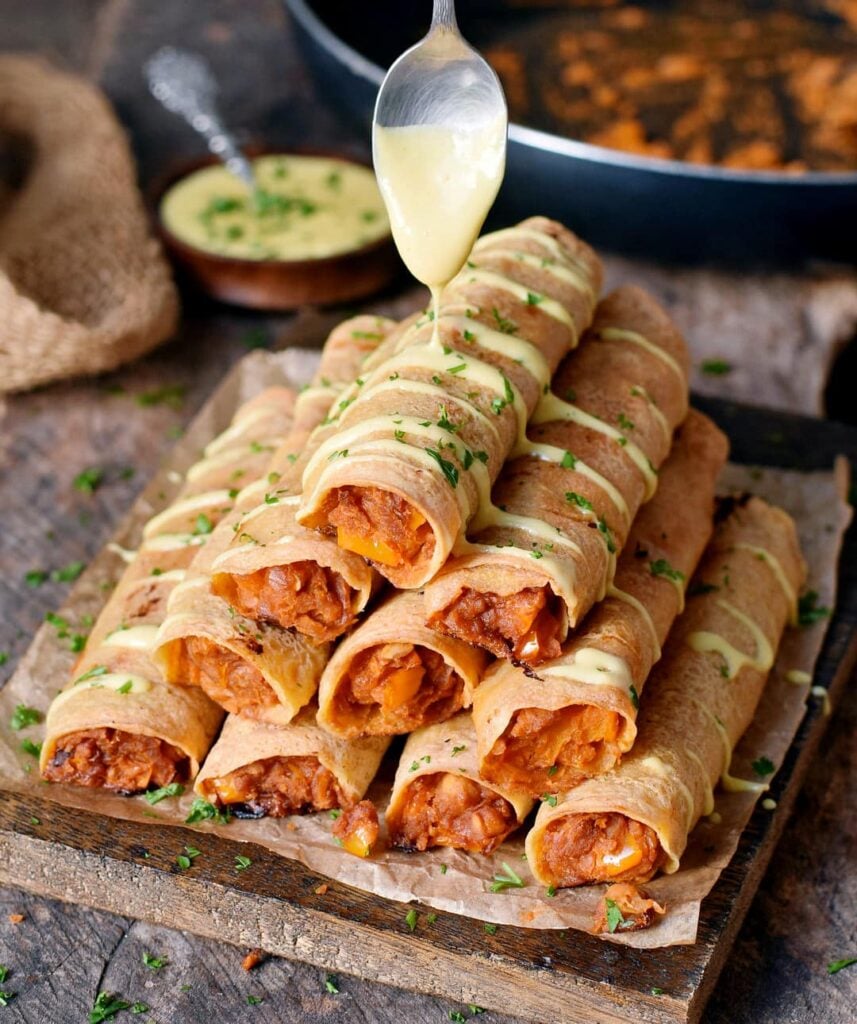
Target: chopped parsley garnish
column 105, row 1007
column 411, row 919
column 475, row 1010
column 554, row 768
column 34, row 749
column 242, row 862
column 503, row 325
column 715, row 367
column 444, row 422
column 254, row 1000
column 614, row 916
column 154, row 963
column 140, row 1008
column 184, row 859
column 661, row 567
column 509, row 880
column 568, row 461
column 573, row 498
column 203, row 525
column 169, row 394
column 624, row 422
column 4, row 657
column 332, row 985
column 154, row 796
column 457, row 750
column 489, row 929
column 5, row 997
column 202, row 810
column 656, row 991
column 695, row 589
column 341, row 454
column 550, row 891
column 448, row 469
column 35, row 577
column 469, row 336
column 838, row 965
column 415, row 764
column 89, row 479
column 23, row 717
column 635, row 697
column 549, row 799
column 335, row 813
column 126, row 687
column 604, row 530
column 533, row 299
column 271, row 499
column 763, row 766
column 96, row 670
column 457, row 1017
column 68, row 573
column 808, row 609
column 458, row 368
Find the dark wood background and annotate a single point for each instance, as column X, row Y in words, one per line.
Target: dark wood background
column 60, row 956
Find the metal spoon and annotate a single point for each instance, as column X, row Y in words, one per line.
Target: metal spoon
column 184, row 83
column 440, row 80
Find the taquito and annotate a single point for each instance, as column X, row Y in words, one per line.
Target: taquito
column 255, row 667
column 393, row 674
column 439, row 799
column 256, row 769
column 543, row 550
column 277, row 572
column 118, row 724
column 419, row 443
column 550, row 727
column 628, row 824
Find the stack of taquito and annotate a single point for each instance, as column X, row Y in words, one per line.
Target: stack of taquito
column 633, row 821
column 118, row 723
column 271, row 757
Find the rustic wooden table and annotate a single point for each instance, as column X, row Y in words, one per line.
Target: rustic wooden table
column 59, row 955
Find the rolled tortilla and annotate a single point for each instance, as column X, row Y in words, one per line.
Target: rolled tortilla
column 542, row 551
column 118, row 724
column 574, row 716
column 418, row 445
column 277, row 572
column 257, row 770
column 628, row 824
column 439, row 799
column 255, row 667
column 393, row 674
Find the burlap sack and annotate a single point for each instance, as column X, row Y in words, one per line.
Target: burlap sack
column 83, row 284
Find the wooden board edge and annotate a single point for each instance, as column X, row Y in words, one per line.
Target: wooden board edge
column 214, row 910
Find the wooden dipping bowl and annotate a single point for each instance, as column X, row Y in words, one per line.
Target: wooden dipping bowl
column 278, row 284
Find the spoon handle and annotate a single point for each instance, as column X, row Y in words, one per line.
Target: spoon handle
column 184, row 84
column 443, row 15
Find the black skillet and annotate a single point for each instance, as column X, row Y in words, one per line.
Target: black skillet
column 634, row 204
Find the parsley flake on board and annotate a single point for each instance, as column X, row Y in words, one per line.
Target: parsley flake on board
column 411, row 919
column 88, row 480
column 155, row 796
column 105, row 1007
column 34, row 749
column 140, row 1008
column 184, row 859
column 154, row 963
column 67, row 573
column 489, row 929
column 661, row 567
column 22, row 717
column 839, row 965
column 242, row 862
column 457, row 1017
column 509, row 880
column 35, row 577
column 169, row 394
column 715, row 367
column 331, row 983
column 809, row 610
column 254, row 1000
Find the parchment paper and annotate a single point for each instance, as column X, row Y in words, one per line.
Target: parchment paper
column 816, row 500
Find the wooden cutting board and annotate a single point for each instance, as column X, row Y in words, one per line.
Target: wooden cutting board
column 129, row 868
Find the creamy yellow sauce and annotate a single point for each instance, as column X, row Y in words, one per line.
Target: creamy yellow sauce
column 438, row 184
column 306, row 207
